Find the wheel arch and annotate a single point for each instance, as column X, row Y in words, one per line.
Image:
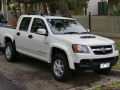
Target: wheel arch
column 9, row 38
column 60, row 48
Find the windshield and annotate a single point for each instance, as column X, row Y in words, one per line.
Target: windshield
column 66, row 26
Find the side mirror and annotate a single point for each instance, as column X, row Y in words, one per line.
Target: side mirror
column 42, row 32
column 88, row 30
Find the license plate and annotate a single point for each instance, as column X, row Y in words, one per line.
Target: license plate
column 104, row 65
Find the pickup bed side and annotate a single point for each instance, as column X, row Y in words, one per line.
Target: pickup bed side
column 6, row 35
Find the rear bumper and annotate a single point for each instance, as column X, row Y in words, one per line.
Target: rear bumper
column 94, row 64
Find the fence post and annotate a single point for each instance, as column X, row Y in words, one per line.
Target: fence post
column 90, row 21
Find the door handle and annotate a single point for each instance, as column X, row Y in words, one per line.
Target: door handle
column 18, row 33
column 30, row 36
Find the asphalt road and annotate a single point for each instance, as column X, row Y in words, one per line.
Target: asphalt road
column 31, row 74
column 7, row 85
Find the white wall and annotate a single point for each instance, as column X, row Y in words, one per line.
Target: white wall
column 93, row 6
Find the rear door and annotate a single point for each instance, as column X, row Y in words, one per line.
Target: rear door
column 21, row 37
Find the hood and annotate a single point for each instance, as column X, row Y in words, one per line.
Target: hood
column 84, row 39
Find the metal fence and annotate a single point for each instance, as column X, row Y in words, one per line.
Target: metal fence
column 103, row 25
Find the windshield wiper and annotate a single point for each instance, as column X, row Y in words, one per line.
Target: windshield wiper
column 84, row 33
column 71, row 33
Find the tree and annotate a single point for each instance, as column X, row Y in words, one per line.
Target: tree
column 0, row 4
column 33, row 1
column 116, row 10
column 78, row 6
column 64, row 9
column 75, row 6
column 64, row 6
column 26, row 2
column 53, row 6
column 14, row 8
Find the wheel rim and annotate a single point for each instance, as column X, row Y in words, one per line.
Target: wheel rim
column 8, row 52
column 58, row 68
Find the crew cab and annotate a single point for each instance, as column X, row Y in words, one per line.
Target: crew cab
column 60, row 41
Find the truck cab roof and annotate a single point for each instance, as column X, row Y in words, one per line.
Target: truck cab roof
column 48, row 17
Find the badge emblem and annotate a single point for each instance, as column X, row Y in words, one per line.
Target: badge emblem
column 103, row 49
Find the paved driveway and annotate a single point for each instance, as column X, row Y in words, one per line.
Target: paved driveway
column 31, row 74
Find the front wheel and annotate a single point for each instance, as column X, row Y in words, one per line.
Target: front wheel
column 10, row 52
column 60, row 68
column 103, row 71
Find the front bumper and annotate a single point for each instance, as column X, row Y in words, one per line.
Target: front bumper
column 94, row 64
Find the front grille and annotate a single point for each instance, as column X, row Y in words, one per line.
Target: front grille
column 102, row 50
column 103, row 60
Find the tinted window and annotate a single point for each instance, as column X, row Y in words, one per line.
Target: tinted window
column 37, row 24
column 25, row 24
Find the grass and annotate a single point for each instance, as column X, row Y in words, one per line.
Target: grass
column 112, row 86
column 118, row 64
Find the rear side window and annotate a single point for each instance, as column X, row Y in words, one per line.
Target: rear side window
column 25, row 24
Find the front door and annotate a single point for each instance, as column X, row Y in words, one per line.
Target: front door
column 38, row 44
column 21, row 37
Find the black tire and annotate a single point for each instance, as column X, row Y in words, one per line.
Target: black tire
column 66, row 70
column 103, row 71
column 13, row 54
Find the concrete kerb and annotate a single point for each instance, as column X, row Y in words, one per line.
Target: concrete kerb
column 116, row 70
column 113, row 70
column 99, row 86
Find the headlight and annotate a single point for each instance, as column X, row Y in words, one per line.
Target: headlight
column 80, row 48
column 115, row 46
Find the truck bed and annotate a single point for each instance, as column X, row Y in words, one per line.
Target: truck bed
column 5, row 30
column 6, row 25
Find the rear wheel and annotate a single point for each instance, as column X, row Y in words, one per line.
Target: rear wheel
column 10, row 52
column 103, row 71
column 60, row 68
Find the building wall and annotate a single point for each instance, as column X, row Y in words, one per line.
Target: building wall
column 93, row 6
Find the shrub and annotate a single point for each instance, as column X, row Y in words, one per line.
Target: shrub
column 116, row 10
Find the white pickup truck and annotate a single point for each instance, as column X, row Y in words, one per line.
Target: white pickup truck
column 61, row 41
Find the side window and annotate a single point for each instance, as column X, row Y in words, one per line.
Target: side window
column 24, row 24
column 37, row 24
